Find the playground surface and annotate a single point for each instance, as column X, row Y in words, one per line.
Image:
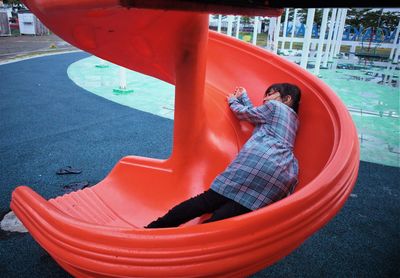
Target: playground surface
column 74, row 127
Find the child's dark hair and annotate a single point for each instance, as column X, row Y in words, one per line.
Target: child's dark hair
column 287, row 89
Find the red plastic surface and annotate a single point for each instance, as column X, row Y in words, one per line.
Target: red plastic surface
column 97, row 231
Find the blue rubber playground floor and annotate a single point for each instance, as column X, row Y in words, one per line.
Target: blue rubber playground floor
column 48, row 122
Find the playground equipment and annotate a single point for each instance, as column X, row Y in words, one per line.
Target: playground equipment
column 97, row 231
column 371, row 40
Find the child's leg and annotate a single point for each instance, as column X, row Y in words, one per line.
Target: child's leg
column 206, row 202
column 229, row 209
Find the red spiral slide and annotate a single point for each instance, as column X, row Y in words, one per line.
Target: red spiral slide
column 96, row 232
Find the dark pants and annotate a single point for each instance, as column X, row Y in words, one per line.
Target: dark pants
column 207, row 202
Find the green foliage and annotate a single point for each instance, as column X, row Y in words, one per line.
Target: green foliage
column 12, row 2
column 215, row 16
column 373, row 18
column 245, row 20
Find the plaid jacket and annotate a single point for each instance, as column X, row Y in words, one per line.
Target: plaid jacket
column 265, row 170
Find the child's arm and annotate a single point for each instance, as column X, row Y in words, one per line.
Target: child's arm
column 255, row 115
column 241, row 94
column 244, row 99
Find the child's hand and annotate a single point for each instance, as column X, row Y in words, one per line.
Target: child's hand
column 231, row 95
column 239, row 91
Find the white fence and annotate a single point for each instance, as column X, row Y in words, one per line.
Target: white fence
column 324, row 46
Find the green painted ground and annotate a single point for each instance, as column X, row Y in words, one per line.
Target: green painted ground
column 374, row 107
column 102, row 78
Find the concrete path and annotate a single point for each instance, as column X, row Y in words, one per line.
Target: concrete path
column 18, row 47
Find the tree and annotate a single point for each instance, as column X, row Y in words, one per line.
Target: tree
column 245, row 20
column 373, row 18
column 12, row 2
column 390, row 20
column 215, row 16
column 355, row 17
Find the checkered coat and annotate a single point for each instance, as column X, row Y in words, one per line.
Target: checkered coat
column 265, row 170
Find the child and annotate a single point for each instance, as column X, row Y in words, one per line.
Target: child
column 264, row 171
